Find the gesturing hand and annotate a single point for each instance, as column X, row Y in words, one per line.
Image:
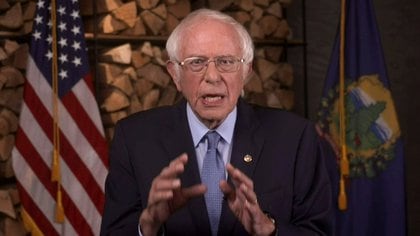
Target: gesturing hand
column 243, row 202
column 166, row 196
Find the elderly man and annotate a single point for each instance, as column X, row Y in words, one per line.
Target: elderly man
column 213, row 164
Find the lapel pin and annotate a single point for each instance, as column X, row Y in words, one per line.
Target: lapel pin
column 248, row 158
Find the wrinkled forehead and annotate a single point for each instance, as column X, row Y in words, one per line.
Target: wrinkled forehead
column 210, row 38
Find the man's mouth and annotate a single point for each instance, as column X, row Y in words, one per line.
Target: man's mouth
column 212, row 98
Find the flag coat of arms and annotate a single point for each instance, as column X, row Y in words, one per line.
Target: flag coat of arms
column 60, row 156
column 358, row 118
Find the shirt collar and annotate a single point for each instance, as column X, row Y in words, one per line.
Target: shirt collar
column 198, row 129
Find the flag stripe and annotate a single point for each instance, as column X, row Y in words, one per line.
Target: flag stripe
column 71, row 158
column 36, row 213
column 86, row 126
column 37, row 157
column 82, row 146
column 86, row 152
column 83, row 92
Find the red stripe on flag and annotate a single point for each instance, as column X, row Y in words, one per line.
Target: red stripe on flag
column 86, row 126
column 43, row 173
column 69, row 155
column 35, row 213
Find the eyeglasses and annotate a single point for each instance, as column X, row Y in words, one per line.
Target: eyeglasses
column 224, row 64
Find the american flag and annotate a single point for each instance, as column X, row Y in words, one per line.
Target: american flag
column 82, row 159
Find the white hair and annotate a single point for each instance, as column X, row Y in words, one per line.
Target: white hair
column 174, row 41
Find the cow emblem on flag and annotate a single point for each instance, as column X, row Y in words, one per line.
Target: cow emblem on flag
column 371, row 125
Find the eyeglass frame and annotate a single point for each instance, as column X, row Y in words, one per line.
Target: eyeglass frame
column 207, row 62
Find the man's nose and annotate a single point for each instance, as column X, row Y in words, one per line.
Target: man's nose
column 211, row 73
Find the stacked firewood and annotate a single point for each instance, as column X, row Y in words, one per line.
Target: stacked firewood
column 132, row 75
column 16, row 19
column 129, row 66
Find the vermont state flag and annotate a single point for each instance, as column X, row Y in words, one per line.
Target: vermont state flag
column 367, row 169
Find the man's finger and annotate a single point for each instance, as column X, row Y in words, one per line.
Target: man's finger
column 227, row 190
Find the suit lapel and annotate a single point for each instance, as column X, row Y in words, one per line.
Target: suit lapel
column 176, row 141
column 246, row 141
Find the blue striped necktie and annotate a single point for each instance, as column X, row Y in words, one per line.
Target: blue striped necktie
column 212, row 172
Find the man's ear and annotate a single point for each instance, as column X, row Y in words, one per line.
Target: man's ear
column 249, row 69
column 172, row 70
column 248, row 73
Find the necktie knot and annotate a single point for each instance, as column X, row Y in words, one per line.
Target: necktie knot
column 212, row 140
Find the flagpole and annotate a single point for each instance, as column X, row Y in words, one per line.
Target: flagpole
column 55, row 170
column 344, row 163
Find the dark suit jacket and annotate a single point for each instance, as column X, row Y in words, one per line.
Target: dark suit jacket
column 288, row 171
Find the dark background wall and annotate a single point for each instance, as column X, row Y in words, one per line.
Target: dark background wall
column 399, row 24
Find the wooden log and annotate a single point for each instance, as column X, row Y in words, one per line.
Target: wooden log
column 268, row 24
column 27, row 28
column 10, row 46
column 275, row 9
column 154, row 74
column 241, row 16
column 11, row 119
column 161, row 11
column 29, row 11
column 110, row 119
column 147, row 4
column 14, row 195
column 153, row 22
column 285, row 75
column 255, row 30
column 265, row 68
column 135, row 104
column 4, row 5
column 3, row 80
column 263, row 3
column 282, row 30
column 142, row 87
column 6, row 205
column 108, row 24
column 115, row 100
column 147, row 49
column 6, row 169
column 171, row 23
column 257, row 13
column 273, row 100
column 168, row 96
column 4, row 127
column 219, row 5
column 273, row 53
column 158, row 56
column 105, row 6
column 138, row 59
column 180, row 9
column 131, row 72
column 3, row 54
column 126, row 13
column 286, row 97
column 285, row 3
column 13, row 18
column 13, row 227
column 246, row 5
column 138, row 29
column 12, row 98
column 120, row 54
column 254, row 84
column 20, row 56
column 107, row 72
column 123, row 83
column 150, row 100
